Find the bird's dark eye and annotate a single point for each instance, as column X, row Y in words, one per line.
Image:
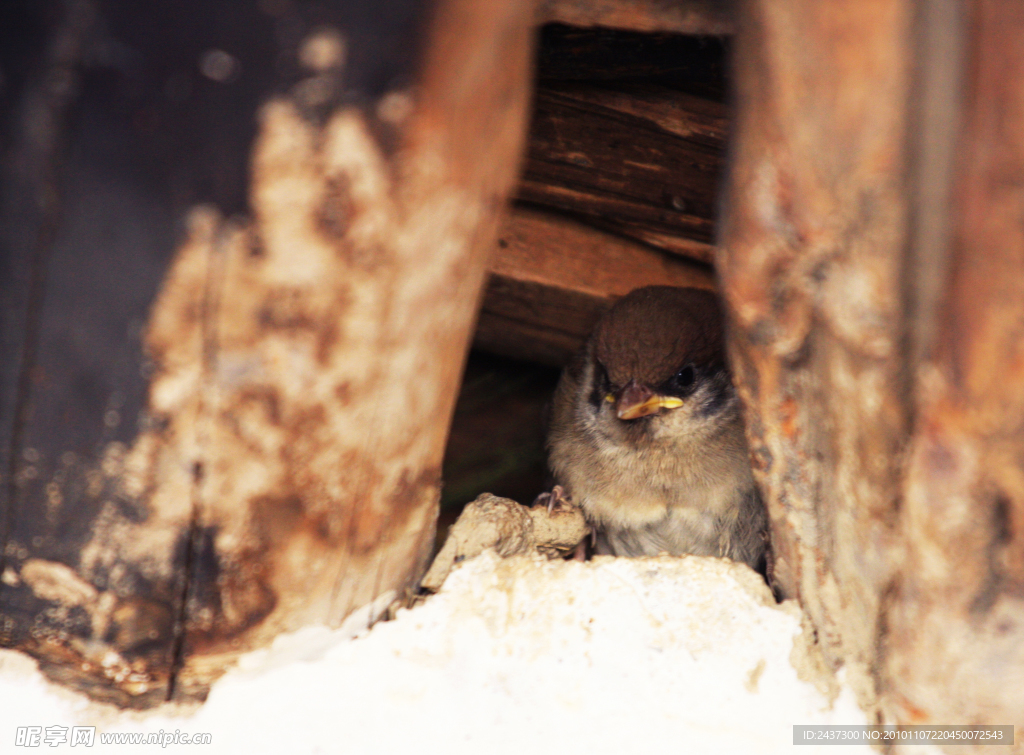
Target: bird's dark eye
column 686, row 377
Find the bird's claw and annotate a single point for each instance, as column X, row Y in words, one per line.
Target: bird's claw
column 555, row 498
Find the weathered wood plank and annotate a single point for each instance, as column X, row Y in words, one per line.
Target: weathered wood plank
column 350, row 361
column 696, row 119
column 552, row 278
column 646, row 166
column 241, row 432
column 955, row 649
column 812, row 270
column 686, row 17
column 877, row 350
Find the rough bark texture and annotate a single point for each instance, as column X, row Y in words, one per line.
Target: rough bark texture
column 303, row 360
column 876, row 333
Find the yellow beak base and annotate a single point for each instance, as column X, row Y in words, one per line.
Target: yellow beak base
column 650, row 406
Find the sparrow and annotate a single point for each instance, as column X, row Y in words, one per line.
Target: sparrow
column 647, row 437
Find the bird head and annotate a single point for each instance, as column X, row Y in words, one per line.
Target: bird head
column 655, row 365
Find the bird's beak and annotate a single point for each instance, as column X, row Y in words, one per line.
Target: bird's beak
column 637, row 400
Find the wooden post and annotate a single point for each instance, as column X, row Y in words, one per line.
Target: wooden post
column 811, row 271
column 302, row 350
column 954, row 649
column 882, row 373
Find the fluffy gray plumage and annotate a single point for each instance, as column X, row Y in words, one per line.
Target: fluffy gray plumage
column 677, row 479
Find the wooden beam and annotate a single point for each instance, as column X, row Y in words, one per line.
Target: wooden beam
column 552, row 277
column 812, row 271
column 241, row 432
column 875, row 285
column 685, row 17
column 643, row 161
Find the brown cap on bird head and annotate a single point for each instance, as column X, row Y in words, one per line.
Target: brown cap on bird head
column 651, row 334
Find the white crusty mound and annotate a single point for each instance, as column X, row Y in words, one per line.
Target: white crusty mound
column 520, row 655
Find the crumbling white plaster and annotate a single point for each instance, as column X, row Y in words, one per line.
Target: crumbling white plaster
column 520, row 655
